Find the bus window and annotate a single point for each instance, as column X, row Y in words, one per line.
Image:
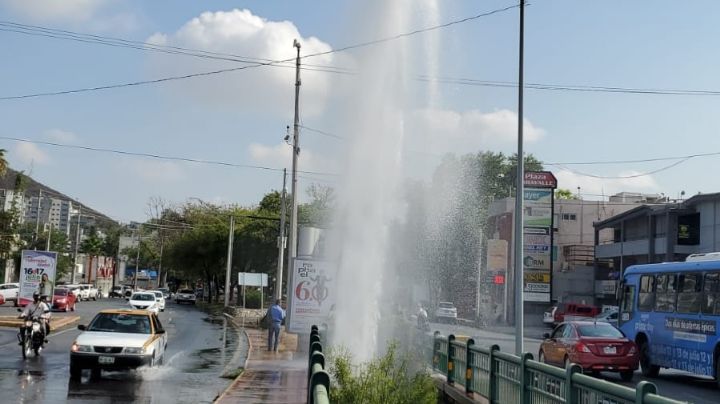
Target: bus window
column 666, row 293
column 711, row 293
column 646, row 297
column 627, row 303
column 689, row 294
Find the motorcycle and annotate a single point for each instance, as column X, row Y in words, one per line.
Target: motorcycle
column 422, row 321
column 31, row 336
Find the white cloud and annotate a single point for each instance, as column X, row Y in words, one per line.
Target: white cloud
column 156, row 171
column 56, row 10
column 266, row 89
column 62, row 136
column 594, row 188
column 442, row 131
column 280, row 155
column 29, row 153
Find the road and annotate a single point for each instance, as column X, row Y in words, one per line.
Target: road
column 671, row 383
column 199, row 348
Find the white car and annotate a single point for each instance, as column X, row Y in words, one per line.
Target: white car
column 118, row 340
column 10, row 291
column 88, row 291
column 446, row 311
column 75, row 289
column 144, row 301
column 159, row 298
column 185, row 296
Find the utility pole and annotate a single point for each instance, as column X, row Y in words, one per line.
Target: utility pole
column 137, row 260
column 519, row 195
column 292, row 237
column 37, row 219
column 228, row 270
column 281, row 241
column 49, row 236
column 77, row 244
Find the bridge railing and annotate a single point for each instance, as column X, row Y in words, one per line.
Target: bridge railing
column 318, row 378
column 501, row 377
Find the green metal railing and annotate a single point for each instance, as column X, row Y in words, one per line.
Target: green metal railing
column 318, row 378
column 504, row 378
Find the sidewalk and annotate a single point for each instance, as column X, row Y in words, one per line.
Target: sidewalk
column 270, row 377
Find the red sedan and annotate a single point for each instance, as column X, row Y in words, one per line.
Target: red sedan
column 2, row 299
column 63, row 299
column 594, row 346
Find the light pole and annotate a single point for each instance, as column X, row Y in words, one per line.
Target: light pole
column 292, row 247
column 519, row 195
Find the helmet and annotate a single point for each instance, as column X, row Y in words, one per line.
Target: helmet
column 36, row 296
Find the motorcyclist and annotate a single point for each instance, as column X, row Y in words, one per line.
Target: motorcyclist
column 422, row 317
column 38, row 306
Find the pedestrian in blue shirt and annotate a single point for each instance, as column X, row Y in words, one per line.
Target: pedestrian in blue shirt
column 275, row 316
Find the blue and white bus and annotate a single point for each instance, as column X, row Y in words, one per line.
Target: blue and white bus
column 671, row 311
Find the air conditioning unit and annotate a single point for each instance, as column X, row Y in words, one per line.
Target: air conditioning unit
column 713, row 256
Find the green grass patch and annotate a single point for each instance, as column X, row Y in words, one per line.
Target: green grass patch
column 393, row 378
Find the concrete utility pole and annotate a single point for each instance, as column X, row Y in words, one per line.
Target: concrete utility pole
column 37, row 218
column 228, row 270
column 137, row 260
column 77, row 245
column 519, row 195
column 281, row 241
column 292, row 237
column 49, row 236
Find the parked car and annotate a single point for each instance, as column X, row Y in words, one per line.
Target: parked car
column 167, row 294
column 610, row 317
column 89, row 291
column 593, row 345
column 144, row 301
column 63, row 300
column 9, row 292
column 159, row 299
column 118, row 340
column 185, row 296
column 446, row 311
column 2, row 299
column 574, row 311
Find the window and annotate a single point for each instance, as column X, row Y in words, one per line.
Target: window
column 569, row 216
column 569, row 332
column 628, row 302
column 711, row 293
column 558, row 333
column 689, row 293
column 646, row 300
column 604, row 330
column 666, row 293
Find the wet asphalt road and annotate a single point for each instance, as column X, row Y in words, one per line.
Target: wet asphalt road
column 674, row 384
column 199, row 348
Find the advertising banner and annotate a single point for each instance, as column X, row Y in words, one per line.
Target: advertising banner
column 537, row 235
column 497, row 255
column 543, row 196
column 536, row 261
column 313, row 294
column 37, row 274
column 537, row 277
column 539, row 297
column 253, row 279
column 537, row 216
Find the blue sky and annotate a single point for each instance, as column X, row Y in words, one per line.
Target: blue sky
column 240, row 117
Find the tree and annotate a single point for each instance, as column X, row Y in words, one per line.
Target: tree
column 3, row 162
column 318, row 213
column 561, row 193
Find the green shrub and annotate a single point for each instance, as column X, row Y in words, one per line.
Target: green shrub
column 384, row 380
column 252, row 298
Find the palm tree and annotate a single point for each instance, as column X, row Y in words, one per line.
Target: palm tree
column 3, row 162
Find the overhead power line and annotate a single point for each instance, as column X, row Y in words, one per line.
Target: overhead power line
column 155, row 156
column 318, row 131
column 256, row 64
column 35, row 30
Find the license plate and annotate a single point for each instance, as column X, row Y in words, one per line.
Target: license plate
column 610, row 350
column 106, row 360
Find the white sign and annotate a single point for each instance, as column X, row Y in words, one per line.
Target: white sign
column 537, row 287
column 37, row 275
column 313, row 294
column 252, row 279
column 536, row 297
column 605, row 287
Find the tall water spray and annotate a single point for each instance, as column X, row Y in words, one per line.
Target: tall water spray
column 370, row 194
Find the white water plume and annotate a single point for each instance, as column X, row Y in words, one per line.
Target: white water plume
column 370, row 194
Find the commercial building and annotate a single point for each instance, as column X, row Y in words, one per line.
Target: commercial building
column 654, row 232
column 49, row 211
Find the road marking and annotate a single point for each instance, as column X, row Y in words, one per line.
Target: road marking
column 60, row 332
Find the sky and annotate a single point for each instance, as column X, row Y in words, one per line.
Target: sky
column 240, row 117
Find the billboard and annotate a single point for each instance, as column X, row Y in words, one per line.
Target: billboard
column 37, row 274
column 313, row 294
column 539, row 203
column 253, row 279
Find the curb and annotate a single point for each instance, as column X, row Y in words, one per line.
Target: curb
column 247, row 358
